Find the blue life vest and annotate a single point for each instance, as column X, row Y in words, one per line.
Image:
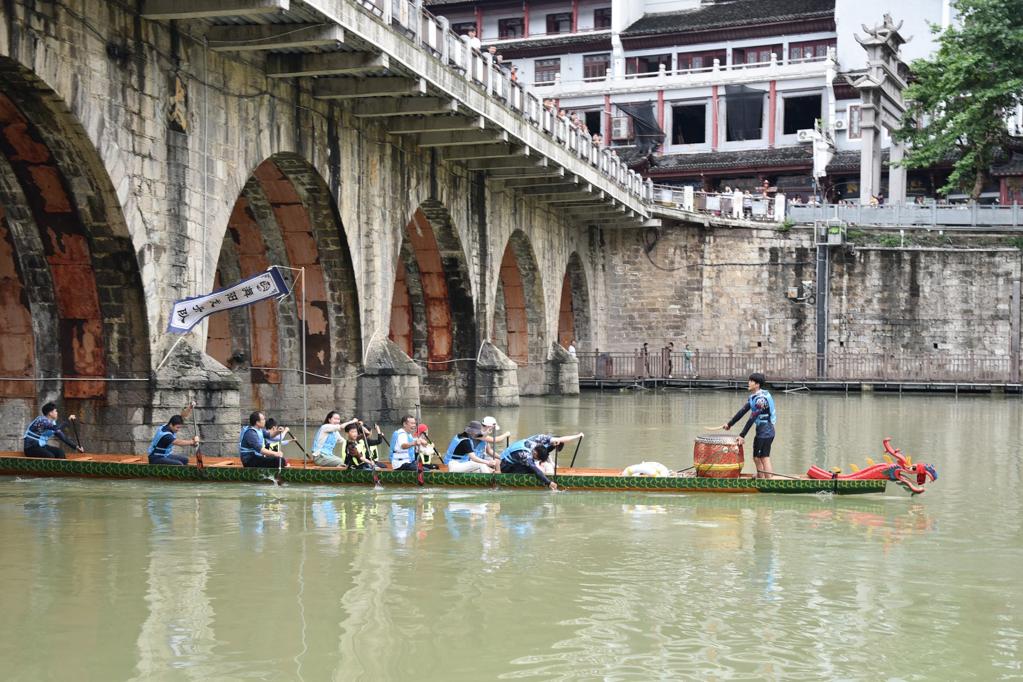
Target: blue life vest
column 43, row 437
column 398, row 455
column 328, row 444
column 524, row 445
column 769, row 417
column 154, row 447
column 246, row 451
column 479, row 447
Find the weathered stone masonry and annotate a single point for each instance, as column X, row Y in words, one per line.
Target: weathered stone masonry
column 121, row 113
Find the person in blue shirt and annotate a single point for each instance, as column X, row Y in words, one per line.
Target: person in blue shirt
column 525, row 456
column 760, row 405
column 161, row 449
column 326, row 440
column 42, row 429
column 252, row 446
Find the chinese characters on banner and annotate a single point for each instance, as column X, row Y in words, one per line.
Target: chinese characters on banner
column 188, row 312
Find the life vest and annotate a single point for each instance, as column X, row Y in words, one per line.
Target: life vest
column 154, row 447
column 764, row 417
column 272, row 444
column 327, row 445
column 400, row 456
column 43, row 437
column 478, row 447
column 426, row 452
column 524, row 445
column 372, row 456
column 244, row 451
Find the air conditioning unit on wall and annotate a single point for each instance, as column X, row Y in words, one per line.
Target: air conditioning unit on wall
column 839, row 124
column 805, row 135
column 621, row 128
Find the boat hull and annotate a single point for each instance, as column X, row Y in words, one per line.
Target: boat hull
column 112, row 467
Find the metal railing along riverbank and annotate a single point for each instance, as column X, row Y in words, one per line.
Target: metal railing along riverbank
column 846, row 367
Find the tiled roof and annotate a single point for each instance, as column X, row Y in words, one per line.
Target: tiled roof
column 727, row 13
column 752, row 159
column 1012, row 167
column 554, row 44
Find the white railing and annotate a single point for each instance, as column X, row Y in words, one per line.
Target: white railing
column 934, row 215
column 735, row 205
column 434, row 34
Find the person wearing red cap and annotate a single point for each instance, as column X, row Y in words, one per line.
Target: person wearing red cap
column 426, row 452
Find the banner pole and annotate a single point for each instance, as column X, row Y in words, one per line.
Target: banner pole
column 180, row 339
column 305, row 377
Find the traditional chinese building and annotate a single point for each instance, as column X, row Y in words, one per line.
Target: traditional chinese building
column 732, row 89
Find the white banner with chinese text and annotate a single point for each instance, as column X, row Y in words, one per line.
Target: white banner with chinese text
column 188, row 312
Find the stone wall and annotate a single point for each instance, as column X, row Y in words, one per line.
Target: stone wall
column 726, row 289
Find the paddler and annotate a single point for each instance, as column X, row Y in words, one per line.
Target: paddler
column 252, row 446
column 760, row 405
column 525, row 456
column 368, row 443
column 404, row 442
column 356, row 456
column 161, row 449
column 275, row 435
column 467, row 452
column 42, row 429
column 491, row 436
column 326, row 439
column 428, row 451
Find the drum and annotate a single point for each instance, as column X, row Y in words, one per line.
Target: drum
column 718, row 456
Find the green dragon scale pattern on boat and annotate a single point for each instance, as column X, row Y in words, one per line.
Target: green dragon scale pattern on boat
column 57, row 467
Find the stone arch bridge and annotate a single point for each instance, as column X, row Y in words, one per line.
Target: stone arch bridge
column 448, row 227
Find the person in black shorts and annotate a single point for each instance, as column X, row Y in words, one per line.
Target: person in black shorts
column 762, row 413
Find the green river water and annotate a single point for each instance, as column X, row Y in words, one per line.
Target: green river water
column 108, row 580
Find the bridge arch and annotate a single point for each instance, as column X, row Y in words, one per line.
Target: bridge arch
column 574, row 313
column 432, row 309
column 72, row 291
column 520, row 327
column 284, row 215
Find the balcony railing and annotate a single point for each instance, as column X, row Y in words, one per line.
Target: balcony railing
column 788, row 367
column 434, row 34
column 735, row 205
column 971, row 216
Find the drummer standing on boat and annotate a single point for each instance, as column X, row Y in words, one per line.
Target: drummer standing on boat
column 762, row 413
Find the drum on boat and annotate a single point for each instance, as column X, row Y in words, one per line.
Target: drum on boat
column 718, row 456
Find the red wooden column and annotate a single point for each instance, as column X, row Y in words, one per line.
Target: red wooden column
column 713, row 117
column 575, row 16
column 525, row 19
column 772, row 114
column 479, row 23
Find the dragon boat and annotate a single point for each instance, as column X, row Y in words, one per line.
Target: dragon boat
column 897, row 467
column 229, row 470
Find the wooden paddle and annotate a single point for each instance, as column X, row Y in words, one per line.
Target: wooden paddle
column 74, row 427
column 577, row 445
column 199, row 464
column 372, row 464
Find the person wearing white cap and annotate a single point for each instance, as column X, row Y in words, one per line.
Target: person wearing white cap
column 490, row 429
column 467, row 452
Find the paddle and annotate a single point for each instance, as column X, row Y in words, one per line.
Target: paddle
column 305, row 455
column 199, row 464
column 372, row 464
column 415, row 449
column 577, row 445
column 74, row 427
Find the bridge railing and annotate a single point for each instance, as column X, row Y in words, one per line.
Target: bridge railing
column 934, row 215
column 434, row 35
column 935, row 368
column 736, row 205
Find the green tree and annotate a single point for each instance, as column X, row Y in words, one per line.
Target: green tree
column 964, row 91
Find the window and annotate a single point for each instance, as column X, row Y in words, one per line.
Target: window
column 689, row 124
column 813, row 51
column 559, row 23
column 546, row 70
column 744, row 113
column 800, row 113
column 602, row 18
column 647, row 64
column 760, row 56
column 593, row 121
column 694, row 61
column 510, row 28
column 463, row 27
column 595, row 66
column 853, row 114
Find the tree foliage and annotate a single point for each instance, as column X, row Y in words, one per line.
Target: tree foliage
column 963, row 93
